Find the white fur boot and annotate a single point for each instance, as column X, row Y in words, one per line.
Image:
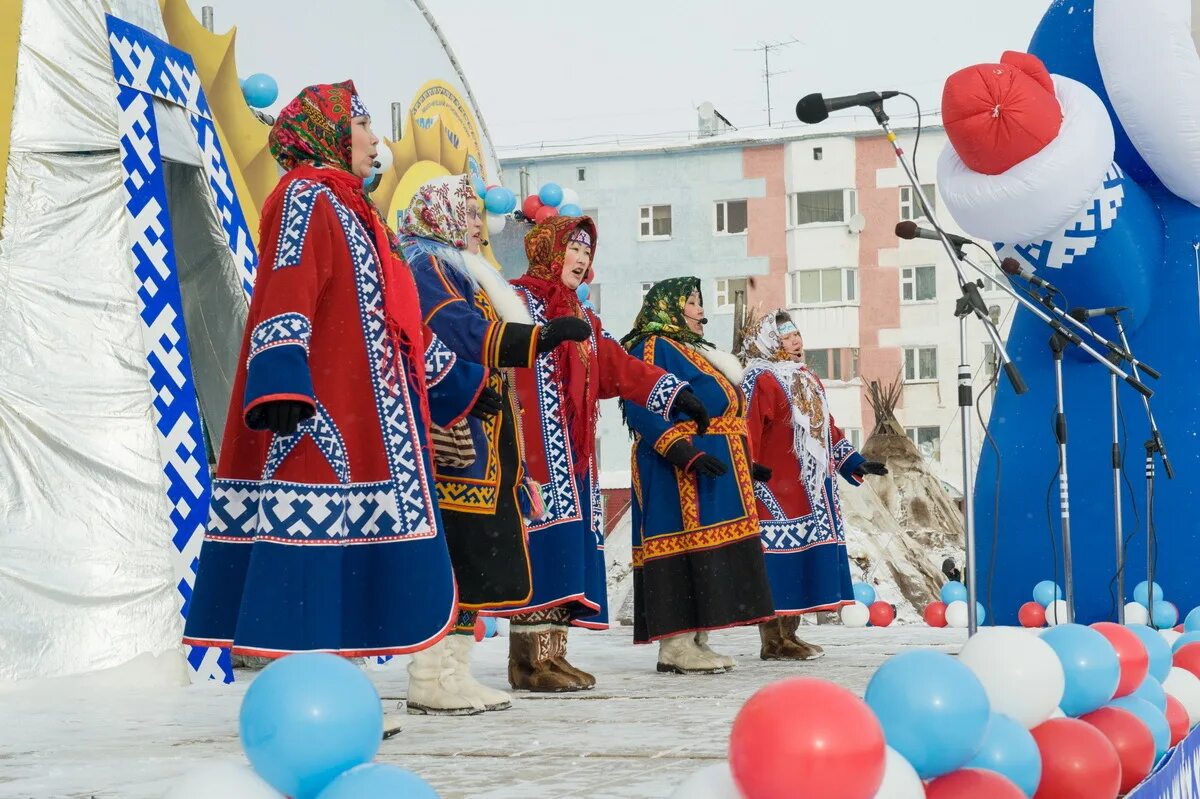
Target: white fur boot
column 433, row 685
column 460, row 656
column 679, row 654
column 702, row 642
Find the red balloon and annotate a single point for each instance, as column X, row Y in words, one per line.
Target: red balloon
column 1177, row 718
column 972, row 783
column 1132, row 740
column 935, row 614
column 882, row 613
column 1188, row 657
column 531, row 205
column 1178, row 628
column 544, row 213
column 806, row 737
column 1078, row 762
column 1131, row 655
column 1032, row 614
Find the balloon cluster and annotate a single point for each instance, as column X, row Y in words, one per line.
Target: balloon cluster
column 551, row 200
column 260, row 90
column 310, row 725
column 951, row 610
column 867, row 610
column 1166, row 614
column 497, row 201
column 1071, row 712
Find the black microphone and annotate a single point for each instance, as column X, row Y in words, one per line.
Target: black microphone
column 911, row 230
column 1083, row 314
column 815, row 108
column 1011, row 266
column 377, row 164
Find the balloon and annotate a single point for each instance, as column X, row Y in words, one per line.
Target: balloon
column 478, row 184
column 1078, row 762
column 1046, row 592
column 1165, row 615
column 900, row 780
column 935, row 614
column 569, row 210
column 544, row 213
column 1020, row 672
column 710, row 782
column 954, row 591
column 855, row 615
column 500, row 200
column 1130, row 738
column 956, row 614
column 588, row 304
column 551, row 194
column 1170, row 636
column 1089, row 664
column 934, row 711
column 378, row 780
column 582, row 291
column 864, row 593
column 1192, row 622
column 1010, row 751
column 1177, row 720
column 495, row 223
column 806, row 737
column 1136, row 614
column 489, row 626
column 1156, row 647
column 1152, row 691
column 1153, row 720
column 882, row 613
column 1056, row 612
column 260, row 90
column 222, row 779
column 306, row 719
column 1132, row 657
column 972, row 783
column 1179, row 641
column 1142, row 596
column 1188, row 657
column 570, row 197
column 1184, row 686
column 1032, row 614
column 531, row 206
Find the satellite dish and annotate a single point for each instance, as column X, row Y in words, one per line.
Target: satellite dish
column 856, row 223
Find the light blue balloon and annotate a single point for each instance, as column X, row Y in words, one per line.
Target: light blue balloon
column 480, row 186
column 588, row 304
column 570, row 209
column 260, row 90
column 489, row 627
column 1152, row 691
column 1141, row 594
column 933, row 709
column 1191, row 622
column 1046, row 592
column 379, row 781
column 954, row 591
column 980, row 613
column 1009, row 750
column 500, row 200
column 583, row 291
column 306, row 719
column 1184, row 640
column 1089, row 664
column 1165, row 615
column 1149, row 715
column 551, row 194
column 1157, row 648
column 864, row 593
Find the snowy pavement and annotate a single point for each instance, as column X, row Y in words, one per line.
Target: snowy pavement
column 636, row 736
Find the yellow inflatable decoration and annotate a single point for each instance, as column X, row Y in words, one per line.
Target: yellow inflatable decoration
column 10, row 35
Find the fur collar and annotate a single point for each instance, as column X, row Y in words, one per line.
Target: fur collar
column 504, row 299
column 726, row 363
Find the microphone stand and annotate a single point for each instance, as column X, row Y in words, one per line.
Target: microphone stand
column 1117, row 522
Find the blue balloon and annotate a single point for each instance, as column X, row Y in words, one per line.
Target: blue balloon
column 480, row 186
column 308, row 718
column 953, row 591
column 1152, row 691
column 933, row 709
column 1010, row 751
column 1046, row 592
column 588, row 304
column 500, row 200
column 551, row 194
column 377, row 781
column 1165, row 615
column 1191, row 622
column 1141, row 594
column 1158, row 649
column 583, row 291
column 1151, row 717
column 1089, row 664
column 489, row 626
column 260, row 90
column 864, row 593
column 980, row 613
column 1184, row 640
column 570, row 209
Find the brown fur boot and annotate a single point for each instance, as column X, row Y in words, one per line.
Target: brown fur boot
column 585, row 681
column 802, row 649
column 531, row 650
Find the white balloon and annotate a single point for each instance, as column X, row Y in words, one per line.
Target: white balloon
column 1136, row 613
column 1170, row 636
column 956, row 614
column 1185, row 686
column 856, row 615
column 1058, row 714
column 224, row 779
column 570, row 197
column 1056, row 613
column 384, row 157
column 1021, row 674
column 495, row 223
column 710, row 782
column 900, row 780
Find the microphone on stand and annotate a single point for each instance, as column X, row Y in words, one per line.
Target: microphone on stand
column 815, row 108
column 1011, row 266
column 911, row 230
column 1083, row 314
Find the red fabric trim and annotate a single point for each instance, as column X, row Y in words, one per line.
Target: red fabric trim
column 470, row 404
column 278, row 398
column 695, row 458
column 815, row 608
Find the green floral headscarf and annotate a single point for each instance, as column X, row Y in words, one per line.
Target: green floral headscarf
column 662, row 314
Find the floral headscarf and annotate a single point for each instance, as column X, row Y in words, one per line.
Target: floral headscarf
column 314, row 128
column 438, row 211
column 662, row 313
column 762, row 343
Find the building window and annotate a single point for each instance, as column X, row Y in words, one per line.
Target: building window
column 854, row 362
column 728, row 289
column 581, row 174
column 818, row 153
column 826, row 364
column 824, row 286
column 854, row 436
column 928, row 441
column 920, row 363
column 813, row 207
column 918, row 284
column 646, row 288
column 910, row 205
column 731, row 216
column 654, row 222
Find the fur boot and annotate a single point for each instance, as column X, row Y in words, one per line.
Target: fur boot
column 460, row 659
column 679, row 654
column 531, row 650
column 433, row 685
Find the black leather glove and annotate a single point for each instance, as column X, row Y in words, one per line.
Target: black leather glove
column 564, row 328
column 688, row 404
column 487, row 404
column 281, row 417
column 683, row 455
column 872, row 467
column 760, row 473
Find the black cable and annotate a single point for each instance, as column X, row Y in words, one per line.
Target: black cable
column 1049, row 492
column 917, row 141
column 1132, row 506
column 996, row 492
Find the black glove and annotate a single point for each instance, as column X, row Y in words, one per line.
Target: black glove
column 872, row 467
column 760, row 473
column 279, row 416
column 688, row 404
column 683, row 455
column 487, row 404
column 564, row 328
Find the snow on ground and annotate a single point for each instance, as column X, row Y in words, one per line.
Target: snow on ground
column 636, row 736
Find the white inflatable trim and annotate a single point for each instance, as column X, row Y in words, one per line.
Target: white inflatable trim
column 1152, row 75
column 1042, row 193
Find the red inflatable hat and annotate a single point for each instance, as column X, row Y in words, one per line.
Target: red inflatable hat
column 997, row 115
